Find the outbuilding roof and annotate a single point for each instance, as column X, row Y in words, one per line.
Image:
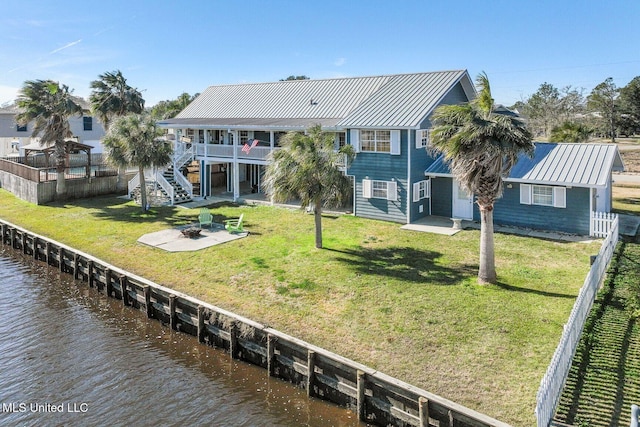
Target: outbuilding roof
column 580, row 165
column 400, row 100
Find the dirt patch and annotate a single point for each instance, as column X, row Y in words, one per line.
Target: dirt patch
column 631, row 159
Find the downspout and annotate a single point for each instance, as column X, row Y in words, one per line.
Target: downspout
column 409, row 188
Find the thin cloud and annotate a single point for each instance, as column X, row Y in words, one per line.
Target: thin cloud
column 340, row 62
column 68, row 45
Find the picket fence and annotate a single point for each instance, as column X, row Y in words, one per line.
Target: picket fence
column 553, row 382
column 601, row 223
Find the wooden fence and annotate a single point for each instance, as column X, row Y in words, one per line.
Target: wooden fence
column 375, row 397
column 553, row 382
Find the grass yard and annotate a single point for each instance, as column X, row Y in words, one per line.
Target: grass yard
column 604, row 380
column 626, row 199
column 403, row 302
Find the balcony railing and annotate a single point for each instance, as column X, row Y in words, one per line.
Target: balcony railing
column 227, row 151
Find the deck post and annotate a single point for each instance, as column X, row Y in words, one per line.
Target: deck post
column 172, row 312
column 311, row 368
column 361, row 397
column 271, row 354
column 423, row 408
column 201, row 327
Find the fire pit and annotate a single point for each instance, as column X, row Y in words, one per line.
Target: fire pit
column 191, row 232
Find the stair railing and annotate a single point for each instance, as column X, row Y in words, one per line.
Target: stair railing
column 166, row 186
column 133, row 184
column 183, row 182
column 181, row 157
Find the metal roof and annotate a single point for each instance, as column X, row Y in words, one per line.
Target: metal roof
column 401, row 100
column 404, row 101
column 581, row 165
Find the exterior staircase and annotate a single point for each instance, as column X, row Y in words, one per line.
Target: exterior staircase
column 170, row 186
column 180, row 194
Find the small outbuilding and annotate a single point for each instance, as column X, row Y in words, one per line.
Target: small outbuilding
column 558, row 189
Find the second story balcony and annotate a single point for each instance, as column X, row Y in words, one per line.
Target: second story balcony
column 233, row 151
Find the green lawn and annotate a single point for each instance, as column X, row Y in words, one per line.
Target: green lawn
column 604, row 380
column 626, row 199
column 403, row 302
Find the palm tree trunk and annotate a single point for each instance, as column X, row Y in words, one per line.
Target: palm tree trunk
column 143, row 189
column 487, row 271
column 317, row 215
column 61, row 184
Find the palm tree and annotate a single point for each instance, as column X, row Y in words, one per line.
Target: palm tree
column 570, row 132
column 306, row 168
column 49, row 106
column 112, row 97
column 134, row 141
column 481, row 148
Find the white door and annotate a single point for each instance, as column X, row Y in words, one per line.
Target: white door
column 462, row 206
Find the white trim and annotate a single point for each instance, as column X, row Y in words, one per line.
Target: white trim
column 559, row 197
column 367, row 186
column 525, row 194
column 354, row 139
column 395, row 143
column 392, row 191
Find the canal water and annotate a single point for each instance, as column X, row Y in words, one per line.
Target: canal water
column 72, row 356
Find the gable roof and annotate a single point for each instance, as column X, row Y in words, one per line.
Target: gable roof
column 580, row 165
column 401, row 100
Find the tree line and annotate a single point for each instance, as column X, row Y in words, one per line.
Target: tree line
column 567, row 115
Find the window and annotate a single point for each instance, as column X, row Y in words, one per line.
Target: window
column 341, row 138
column 422, row 138
column 87, row 123
column 21, row 128
column 543, row 195
column 375, row 140
column 421, row 190
column 244, row 136
column 379, row 189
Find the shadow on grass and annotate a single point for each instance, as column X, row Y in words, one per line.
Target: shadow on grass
column 408, row 264
column 118, row 209
column 533, row 291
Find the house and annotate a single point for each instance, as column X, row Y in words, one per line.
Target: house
column 558, row 189
column 229, row 130
column 86, row 129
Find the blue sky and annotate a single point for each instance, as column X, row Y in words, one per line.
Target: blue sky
column 165, row 48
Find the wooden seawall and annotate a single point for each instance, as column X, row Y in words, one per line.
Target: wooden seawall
column 377, row 398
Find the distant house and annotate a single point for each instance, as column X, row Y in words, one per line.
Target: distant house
column 557, row 189
column 86, row 129
column 229, row 131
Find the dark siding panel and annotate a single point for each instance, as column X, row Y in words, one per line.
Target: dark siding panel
column 420, row 160
column 441, row 196
column 382, row 167
column 572, row 219
column 455, row 96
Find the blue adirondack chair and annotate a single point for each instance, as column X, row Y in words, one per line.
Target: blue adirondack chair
column 234, row 225
column 205, row 217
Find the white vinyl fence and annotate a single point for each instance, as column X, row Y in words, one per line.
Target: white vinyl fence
column 553, row 382
column 601, row 223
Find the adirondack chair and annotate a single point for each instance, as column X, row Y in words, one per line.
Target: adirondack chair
column 234, row 225
column 205, row 217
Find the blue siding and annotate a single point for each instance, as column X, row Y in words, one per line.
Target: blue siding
column 455, row 96
column 508, row 210
column 574, row 218
column 382, row 167
column 420, row 160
